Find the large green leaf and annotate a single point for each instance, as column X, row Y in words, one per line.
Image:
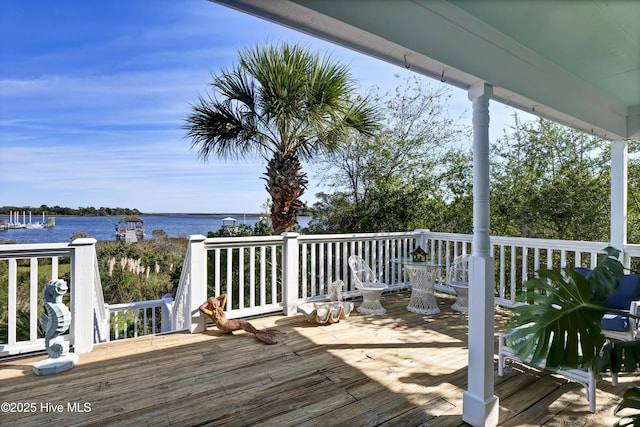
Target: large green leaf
column 619, row 356
column 630, row 400
column 559, row 319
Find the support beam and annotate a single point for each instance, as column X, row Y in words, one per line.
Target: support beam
column 480, row 405
column 619, row 171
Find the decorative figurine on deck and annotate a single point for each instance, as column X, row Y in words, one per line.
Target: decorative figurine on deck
column 214, row 308
column 55, row 322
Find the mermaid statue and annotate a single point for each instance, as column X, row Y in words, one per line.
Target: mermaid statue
column 55, row 322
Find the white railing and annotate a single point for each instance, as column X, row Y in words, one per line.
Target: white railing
column 249, row 271
column 23, row 295
column 631, row 257
column 259, row 274
column 131, row 320
column 269, row 274
column 515, row 258
column 323, row 259
column 274, row 273
column 180, row 315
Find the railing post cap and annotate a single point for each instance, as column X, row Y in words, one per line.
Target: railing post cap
column 196, row 238
column 83, row 241
column 289, row 235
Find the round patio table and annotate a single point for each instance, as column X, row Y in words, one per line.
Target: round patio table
column 423, row 275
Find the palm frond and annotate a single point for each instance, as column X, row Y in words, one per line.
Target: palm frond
column 217, row 129
column 280, row 102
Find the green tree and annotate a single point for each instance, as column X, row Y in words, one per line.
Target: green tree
column 286, row 105
column 633, row 190
column 401, row 177
column 550, row 181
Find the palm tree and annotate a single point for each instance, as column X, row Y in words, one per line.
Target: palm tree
column 286, row 105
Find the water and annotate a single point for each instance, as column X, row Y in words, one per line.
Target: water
column 104, row 227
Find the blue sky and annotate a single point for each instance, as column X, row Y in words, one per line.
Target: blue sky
column 93, row 97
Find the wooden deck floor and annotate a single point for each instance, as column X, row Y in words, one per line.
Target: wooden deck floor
column 399, row 369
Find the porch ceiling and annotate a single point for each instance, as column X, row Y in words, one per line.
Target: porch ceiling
column 576, row 63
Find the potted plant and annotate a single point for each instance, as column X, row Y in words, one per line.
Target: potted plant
column 559, row 321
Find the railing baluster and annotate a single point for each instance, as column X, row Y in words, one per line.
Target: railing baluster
column 512, row 270
column 241, row 278
column 304, row 270
column 314, row 270
column 13, row 302
column 252, row 276
column 263, row 275
column 501, row 274
column 117, row 326
column 321, row 272
column 144, row 320
column 124, row 324
column 346, row 274
column 33, row 299
column 229, row 282
column 274, row 275
column 216, row 261
column 136, row 314
column 525, row 263
column 54, row 268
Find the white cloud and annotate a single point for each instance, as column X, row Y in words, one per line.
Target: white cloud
column 99, row 122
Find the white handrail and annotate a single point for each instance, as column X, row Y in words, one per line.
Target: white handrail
column 101, row 320
column 83, row 286
column 180, row 315
column 260, row 275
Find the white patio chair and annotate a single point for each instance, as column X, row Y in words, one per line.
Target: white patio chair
column 367, row 283
column 458, row 279
column 586, row 377
column 613, row 326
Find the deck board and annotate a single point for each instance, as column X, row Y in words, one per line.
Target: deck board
column 397, row 369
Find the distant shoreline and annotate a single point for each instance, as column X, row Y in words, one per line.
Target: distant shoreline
column 199, row 214
column 239, row 214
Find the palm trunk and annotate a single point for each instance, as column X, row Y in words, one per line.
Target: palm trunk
column 285, row 184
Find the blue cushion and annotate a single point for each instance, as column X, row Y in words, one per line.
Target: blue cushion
column 615, row 322
column 584, row 271
column 627, row 291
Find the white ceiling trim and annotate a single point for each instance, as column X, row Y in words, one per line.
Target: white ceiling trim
column 520, row 78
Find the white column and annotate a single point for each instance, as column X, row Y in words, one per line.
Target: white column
column 619, row 171
column 480, row 405
column 82, row 285
column 198, row 283
column 290, row 270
